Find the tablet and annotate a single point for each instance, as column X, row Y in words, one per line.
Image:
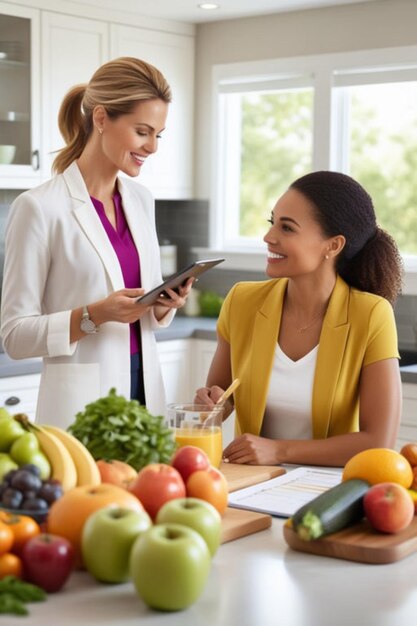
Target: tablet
column 178, row 279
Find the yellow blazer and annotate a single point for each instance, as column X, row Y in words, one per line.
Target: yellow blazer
column 358, row 329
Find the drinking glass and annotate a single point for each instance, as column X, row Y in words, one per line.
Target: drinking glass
column 198, row 425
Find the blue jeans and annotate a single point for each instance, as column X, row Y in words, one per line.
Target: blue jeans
column 137, row 389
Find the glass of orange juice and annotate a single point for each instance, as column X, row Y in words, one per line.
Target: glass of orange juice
column 198, row 425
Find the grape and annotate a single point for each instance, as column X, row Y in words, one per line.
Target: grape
column 31, row 493
column 35, row 504
column 33, row 469
column 12, row 498
column 26, row 481
column 8, row 477
column 23, row 489
column 50, row 491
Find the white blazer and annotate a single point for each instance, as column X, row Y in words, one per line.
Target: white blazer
column 58, row 257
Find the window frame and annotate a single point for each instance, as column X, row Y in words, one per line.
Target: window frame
column 324, row 71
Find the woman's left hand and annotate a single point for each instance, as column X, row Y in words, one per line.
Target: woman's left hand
column 253, row 450
column 176, row 299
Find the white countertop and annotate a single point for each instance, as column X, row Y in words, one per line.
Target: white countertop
column 254, row 581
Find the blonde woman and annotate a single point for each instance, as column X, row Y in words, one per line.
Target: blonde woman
column 82, row 247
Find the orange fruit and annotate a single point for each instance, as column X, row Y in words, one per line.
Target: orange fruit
column 69, row 513
column 410, row 453
column 10, row 565
column 379, row 465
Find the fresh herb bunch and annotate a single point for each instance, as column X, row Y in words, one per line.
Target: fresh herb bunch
column 115, row 428
column 14, row 593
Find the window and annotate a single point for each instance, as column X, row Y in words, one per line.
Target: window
column 276, row 120
column 381, row 152
column 265, row 127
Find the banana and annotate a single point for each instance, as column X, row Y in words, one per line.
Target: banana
column 87, row 470
column 62, row 465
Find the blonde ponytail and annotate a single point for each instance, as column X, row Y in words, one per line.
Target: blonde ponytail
column 117, row 86
column 72, row 125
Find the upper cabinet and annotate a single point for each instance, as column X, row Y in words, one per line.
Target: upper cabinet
column 53, row 52
column 72, row 49
column 20, row 97
column 168, row 173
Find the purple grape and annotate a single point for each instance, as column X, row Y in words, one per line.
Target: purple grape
column 50, row 491
column 7, row 478
column 33, row 469
column 26, row 481
column 30, row 494
column 34, row 504
column 12, row 498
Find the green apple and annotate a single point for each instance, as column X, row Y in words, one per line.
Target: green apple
column 6, row 464
column 169, row 565
column 107, row 539
column 10, row 431
column 24, row 448
column 196, row 514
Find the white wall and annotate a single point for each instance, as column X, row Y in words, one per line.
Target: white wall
column 380, row 24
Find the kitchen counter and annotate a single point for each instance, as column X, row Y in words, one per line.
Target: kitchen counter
column 180, row 328
column 254, row 581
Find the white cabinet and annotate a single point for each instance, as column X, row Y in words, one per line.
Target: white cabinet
column 20, row 96
column 19, row 394
column 175, row 360
column 408, row 427
column 72, row 49
column 58, row 51
column 168, row 173
column 204, row 350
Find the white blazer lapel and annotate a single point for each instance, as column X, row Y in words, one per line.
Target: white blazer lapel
column 90, row 223
column 142, row 232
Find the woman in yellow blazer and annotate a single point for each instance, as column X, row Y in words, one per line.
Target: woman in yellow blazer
column 334, row 276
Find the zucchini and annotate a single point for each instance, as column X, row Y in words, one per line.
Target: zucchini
column 332, row 510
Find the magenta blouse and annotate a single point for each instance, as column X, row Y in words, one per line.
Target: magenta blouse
column 125, row 249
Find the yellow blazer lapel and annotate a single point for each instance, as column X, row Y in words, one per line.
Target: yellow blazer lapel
column 264, row 341
column 330, row 356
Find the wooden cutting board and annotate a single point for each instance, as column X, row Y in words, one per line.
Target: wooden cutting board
column 239, row 523
column 239, row 476
column 359, row 543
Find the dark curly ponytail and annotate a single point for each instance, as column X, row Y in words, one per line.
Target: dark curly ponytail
column 370, row 260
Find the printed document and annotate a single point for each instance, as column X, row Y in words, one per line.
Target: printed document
column 284, row 495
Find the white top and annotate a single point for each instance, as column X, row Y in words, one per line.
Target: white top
column 288, row 405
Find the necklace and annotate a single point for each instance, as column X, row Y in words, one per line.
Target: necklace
column 302, row 329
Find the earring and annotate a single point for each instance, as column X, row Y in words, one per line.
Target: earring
column 326, row 256
column 100, row 130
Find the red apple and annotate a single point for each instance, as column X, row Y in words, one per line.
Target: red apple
column 48, row 561
column 189, row 459
column 388, row 507
column 116, row 473
column 156, row 484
